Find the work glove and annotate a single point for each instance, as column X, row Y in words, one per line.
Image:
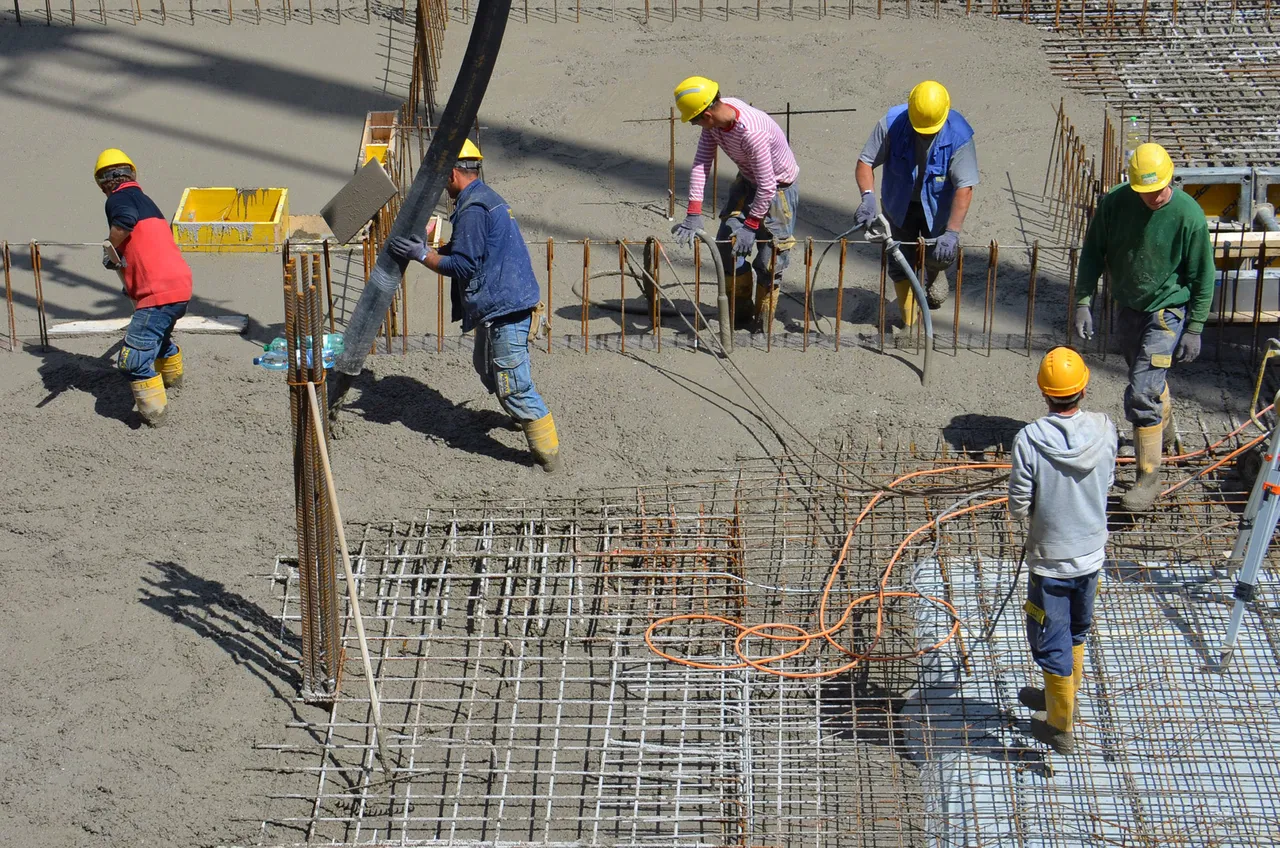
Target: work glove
column 110, row 265
column 867, row 210
column 744, row 235
column 945, row 248
column 1188, row 347
column 407, row 248
column 1084, row 322
column 687, row 230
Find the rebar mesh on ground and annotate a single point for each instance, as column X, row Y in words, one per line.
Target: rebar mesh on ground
column 524, row 706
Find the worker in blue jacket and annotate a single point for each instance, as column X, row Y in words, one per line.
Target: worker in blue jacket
column 495, row 293
column 930, row 168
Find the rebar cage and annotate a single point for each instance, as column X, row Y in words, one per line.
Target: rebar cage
column 524, row 706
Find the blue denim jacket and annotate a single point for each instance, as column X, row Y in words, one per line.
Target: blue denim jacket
column 900, row 169
column 487, row 259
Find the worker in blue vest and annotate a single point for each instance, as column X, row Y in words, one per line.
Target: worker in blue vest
column 930, row 168
column 495, row 293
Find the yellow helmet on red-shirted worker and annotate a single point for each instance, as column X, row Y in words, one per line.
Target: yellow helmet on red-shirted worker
column 928, row 105
column 694, row 95
column 111, row 157
column 1062, row 373
column 1150, row 168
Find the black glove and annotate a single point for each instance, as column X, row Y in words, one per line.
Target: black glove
column 945, row 248
column 111, row 265
column 744, row 235
column 407, row 248
column 1084, row 322
column 867, row 210
column 1188, row 347
column 687, row 230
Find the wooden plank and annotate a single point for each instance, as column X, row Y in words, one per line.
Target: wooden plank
column 223, row 324
column 1244, row 243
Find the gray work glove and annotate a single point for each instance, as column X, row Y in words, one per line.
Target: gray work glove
column 1188, row 347
column 867, row 210
column 946, row 247
column 1084, row 322
column 745, row 237
column 687, row 230
column 407, row 248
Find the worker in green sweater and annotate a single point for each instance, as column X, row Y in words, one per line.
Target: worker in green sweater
column 1155, row 243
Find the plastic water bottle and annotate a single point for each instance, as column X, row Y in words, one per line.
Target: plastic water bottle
column 1132, row 138
column 275, row 355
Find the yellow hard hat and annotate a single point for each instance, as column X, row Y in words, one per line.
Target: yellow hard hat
column 928, row 106
column 470, row 151
column 1150, row 168
column 110, row 157
column 1062, row 373
column 694, row 95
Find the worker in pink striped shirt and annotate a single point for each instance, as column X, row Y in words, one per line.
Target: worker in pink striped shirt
column 760, row 213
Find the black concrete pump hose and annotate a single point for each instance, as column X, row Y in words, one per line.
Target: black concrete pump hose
column 424, row 193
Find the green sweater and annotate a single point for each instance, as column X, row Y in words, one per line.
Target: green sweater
column 1157, row 260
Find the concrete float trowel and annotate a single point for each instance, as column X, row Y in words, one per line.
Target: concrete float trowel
column 424, row 193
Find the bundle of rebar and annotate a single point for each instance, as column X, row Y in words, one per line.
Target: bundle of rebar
column 304, row 334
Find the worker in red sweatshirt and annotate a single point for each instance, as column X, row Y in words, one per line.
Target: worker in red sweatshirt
column 156, row 278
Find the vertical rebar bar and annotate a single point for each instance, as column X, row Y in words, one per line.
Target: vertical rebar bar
column 586, row 291
column 808, row 287
column 8, row 295
column 655, row 302
column 439, row 312
column 1031, row 292
column 1257, row 298
column 844, row 244
column 551, row 258
column 1072, row 256
column 36, row 270
column 955, row 322
column 622, row 292
column 697, row 291
column 773, row 275
column 884, row 267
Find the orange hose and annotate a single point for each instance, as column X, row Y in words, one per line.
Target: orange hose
column 802, row 638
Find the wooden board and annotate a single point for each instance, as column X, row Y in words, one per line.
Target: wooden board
column 1245, row 244
column 358, row 201
column 228, row 324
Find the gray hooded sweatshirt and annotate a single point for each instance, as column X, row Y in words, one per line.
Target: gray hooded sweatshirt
column 1063, row 466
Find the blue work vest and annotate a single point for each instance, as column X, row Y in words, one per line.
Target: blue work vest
column 504, row 283
column 900, row 170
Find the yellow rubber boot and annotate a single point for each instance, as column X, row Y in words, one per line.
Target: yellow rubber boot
column 766, row 306
column 1147, row 443
column 1053, row 726
column 544, row 443
column 741, row 284
column 1077, row 676
column 1168, row 435
column 906, row 302
column 170, row 370
column 152, row 403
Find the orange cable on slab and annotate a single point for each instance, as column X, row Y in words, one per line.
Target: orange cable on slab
column 789, row 633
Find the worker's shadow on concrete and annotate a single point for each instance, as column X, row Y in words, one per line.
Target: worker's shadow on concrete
column 250, row 636
column 98, row 376
column 408, row 401
column 974, row 433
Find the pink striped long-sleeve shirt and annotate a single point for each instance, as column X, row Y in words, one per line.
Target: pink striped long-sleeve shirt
column 759, row 148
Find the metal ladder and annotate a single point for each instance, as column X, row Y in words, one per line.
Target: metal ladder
column 1257, row 526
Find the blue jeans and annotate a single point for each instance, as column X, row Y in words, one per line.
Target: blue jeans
column 148, row 337
column 1148, row 340
column 1059, row 615
column 501, row 358
column 776, row 232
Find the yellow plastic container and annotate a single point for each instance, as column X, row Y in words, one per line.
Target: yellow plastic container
column 378, row 140
column 232, row 220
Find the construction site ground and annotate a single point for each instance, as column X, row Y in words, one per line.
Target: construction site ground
column 141, row 662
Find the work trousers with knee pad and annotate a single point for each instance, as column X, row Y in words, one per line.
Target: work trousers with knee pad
column 149, row 337
column 776, row 233
column 1059, row 615
column 1148, row 340
column 501, row 358
column 914, row 227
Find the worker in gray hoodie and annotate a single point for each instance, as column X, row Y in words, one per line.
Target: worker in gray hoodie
column 1063, row 465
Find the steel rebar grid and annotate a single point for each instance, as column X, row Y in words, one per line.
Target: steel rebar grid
column 523, row 705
